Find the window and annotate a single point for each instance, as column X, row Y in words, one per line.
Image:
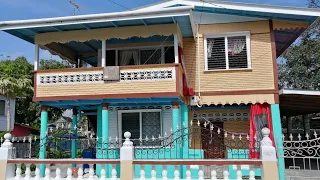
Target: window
column 140, row 55
column 230, row 51
column 169, row 55
column 150, row 56
column 141, row 124
column 111, row 58
column 2, row 107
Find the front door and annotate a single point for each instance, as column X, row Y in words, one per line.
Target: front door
column 212, row 142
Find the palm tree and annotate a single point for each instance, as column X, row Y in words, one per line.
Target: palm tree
column 13, row 84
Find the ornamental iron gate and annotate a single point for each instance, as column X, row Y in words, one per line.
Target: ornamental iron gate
column 302, row 157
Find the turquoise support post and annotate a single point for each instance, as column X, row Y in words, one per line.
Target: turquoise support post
column 43, row 136
column 277, row 132
column 175, row 120
column 99, row 154
column 177, row 151
column 105, row 134
column 185, row 144
column 74, row 135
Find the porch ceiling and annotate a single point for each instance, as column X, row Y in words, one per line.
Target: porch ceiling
column 92, row 104
column 299, row 102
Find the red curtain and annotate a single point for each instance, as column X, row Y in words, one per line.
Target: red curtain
column 256, row 111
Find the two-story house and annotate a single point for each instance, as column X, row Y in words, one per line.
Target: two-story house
column 172, row 65
column 4, row 124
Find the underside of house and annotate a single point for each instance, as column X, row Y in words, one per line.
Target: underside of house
column 187, row 79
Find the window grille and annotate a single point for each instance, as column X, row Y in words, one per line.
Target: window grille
column 227, row 52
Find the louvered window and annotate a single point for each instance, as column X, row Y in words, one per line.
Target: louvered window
column 227, row 52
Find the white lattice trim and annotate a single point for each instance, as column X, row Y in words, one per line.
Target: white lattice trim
column 97, row 77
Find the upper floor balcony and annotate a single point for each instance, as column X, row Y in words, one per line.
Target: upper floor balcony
column 128, row 62
column 143, row 81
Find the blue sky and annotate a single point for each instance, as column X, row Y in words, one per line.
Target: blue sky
column 30, row 9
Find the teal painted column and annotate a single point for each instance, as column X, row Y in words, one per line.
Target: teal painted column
column 99, row 154
column 74, row 135
column 185, row 142
column 277, row 132
column 177, row 144
column 175, row 119
column 105, row 134
column 43, row 138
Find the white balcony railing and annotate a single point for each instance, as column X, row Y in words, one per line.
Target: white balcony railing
column 131, row 168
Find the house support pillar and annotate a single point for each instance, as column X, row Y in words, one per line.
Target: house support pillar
column 306, row 124
column 105, row 134
column 36, row 57
column 185, row 138
column 289, row 125
column 176, row 125
column 43, row 138
column 99, row 154
column 74, row 135
column 103, row 53
column 176, row 48
column 277, row 132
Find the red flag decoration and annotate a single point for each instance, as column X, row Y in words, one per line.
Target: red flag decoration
column 260, row 117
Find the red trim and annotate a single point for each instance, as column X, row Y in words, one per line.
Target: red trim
column 186, row 90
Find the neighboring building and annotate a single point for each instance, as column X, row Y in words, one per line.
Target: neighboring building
column 178, row 63
column 24, row 130
column 3, row 114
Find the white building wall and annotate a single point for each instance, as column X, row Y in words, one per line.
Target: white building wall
column 3, row 119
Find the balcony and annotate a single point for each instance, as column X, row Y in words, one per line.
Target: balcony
column 143, row 81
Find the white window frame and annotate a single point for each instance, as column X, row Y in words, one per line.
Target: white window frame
column 120, row 112
column 225, row 35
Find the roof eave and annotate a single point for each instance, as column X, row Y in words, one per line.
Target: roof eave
column 106, row 17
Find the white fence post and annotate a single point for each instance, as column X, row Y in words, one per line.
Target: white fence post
column 5, row 154
column 268, row 157
column 126, row 158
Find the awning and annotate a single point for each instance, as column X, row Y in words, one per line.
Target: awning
column 108, row 33
column 238, row 99
column 299, row 102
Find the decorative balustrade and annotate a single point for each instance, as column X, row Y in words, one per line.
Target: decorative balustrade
column 199, row 172
column 63, row 170
column 159, row 78
column 140, row 169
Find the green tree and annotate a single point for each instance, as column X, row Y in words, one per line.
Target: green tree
column 13, row 83
column 299, row 65
column 27, row 111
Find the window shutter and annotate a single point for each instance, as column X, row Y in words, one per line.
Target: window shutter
column 216, row 56
column 237, row 52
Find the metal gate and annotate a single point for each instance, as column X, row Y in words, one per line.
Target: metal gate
column 302, row 157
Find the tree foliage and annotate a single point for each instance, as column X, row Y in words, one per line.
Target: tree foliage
column 299, row 67
column 27, row 111
column 14, row 83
